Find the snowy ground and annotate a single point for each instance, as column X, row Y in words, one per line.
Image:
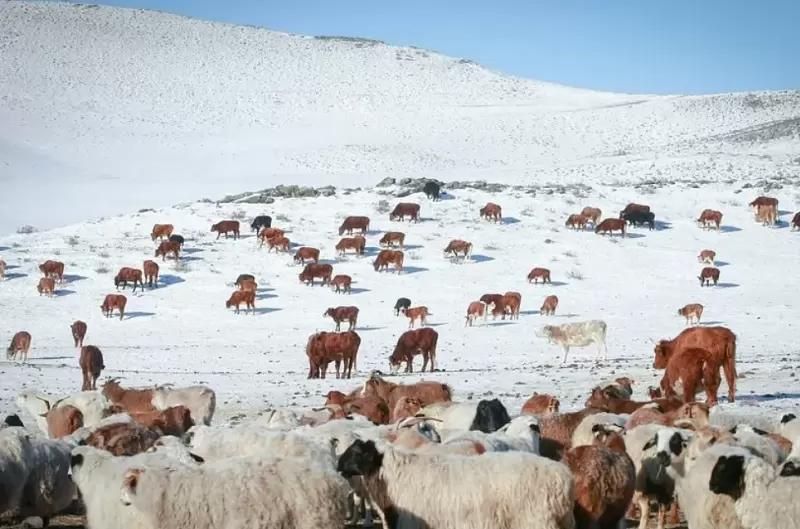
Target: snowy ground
column 182, row 333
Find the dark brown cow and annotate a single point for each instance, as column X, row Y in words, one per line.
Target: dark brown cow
column 512, row 302
column 126, row 275
column 278, row 243
column 389, row 257
column 267, row 234
column 326, row 347
column 168, row 247
column 495, row 302
column 610, row 226
column 78, row 329
column 393, row 238
column 20, row 343
column 357, row 243
column 708, row 274
column 226, row 227
column 539, row 273
column 91, row 363
column 340, row 314
column 457, row 246
column 709, row 218
column 634, row 208
column 419, row 341
column 549, row 306
column 54, row 269
column 248, row 297
column 688, row 371
column 719, row 341
column 403, row 210
column 150, row 273
column 592, row 214
column 312, row 271
column 342, row 283
column 576, row 221
column 354, row 223
column 764, row 201
column 707, row 256
column 161, row 231
column 248, row 285
column 492, row 211
column 114, row 301
column 306, row 253
column 796, row 221
column 47, row 285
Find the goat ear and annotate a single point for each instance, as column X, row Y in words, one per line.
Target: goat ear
column 129, row 484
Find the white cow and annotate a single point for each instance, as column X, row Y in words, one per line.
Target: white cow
column 579, row 334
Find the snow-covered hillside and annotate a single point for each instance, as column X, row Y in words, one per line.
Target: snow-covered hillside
column 106, row 110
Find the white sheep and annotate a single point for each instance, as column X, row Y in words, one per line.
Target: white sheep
column 456, row 417
column 48, row 488
column 216, row 443
column 789, row 427
column 92, row 404
column 201, row 401
column 759, row 443
column 242, row 493
column 728, row 418
column 172, row 447
column 521, row 434
column 501, row 490
column 584, row 433
column 15, row 455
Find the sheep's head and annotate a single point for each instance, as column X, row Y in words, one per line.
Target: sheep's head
column 361, row 458
column 545, row 332
column 727, row 476
column 669, row 445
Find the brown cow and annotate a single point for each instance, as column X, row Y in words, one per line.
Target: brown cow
column 411, row 343
column 476, row 310
column 549, row 306
column 326, row 347
column 3, row 266
column 495, row 303
column 312, row 271
column 634, row 208
column 796, row 221
column 767, row 215
column 393, row 238
column 342, row 283
column 609, row 226
column 175, row 420
column 114, row 301
column 404, row 209
column 389, row 257
column 764, row 201
column 20, row 343
column 126, row 274
column 266, row 234
column 340, row 314
column 47, row 285
column 305, row 252
column 226, row 226
column 426, row 392
column 609, row 400
column 129, row 399
column 78, row 329
column 709, row 218
column 354, row 223
column 512, row 302
column 492, row 211
column 539, row 273
column 457, row 246
column 373, row 408
column 690, row 370
column 54, row 269
column 161, row 231
column 576, row 221
column 151, row 273
column 592, row 214
column 168, row 247
column 247, row 297
column 91, row 364
column 248, row 285
column 357, row 243
column 707, row 256
column 692, row 311
column 708, row 274
column 278, row 243
column 416, row 313
column 540, row 405
column 719, row 341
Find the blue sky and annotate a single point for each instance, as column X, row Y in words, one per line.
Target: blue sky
column 653, row 46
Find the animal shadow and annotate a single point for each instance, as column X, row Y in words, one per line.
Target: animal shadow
column 662, row 225
column 407, row 247
column 529, row 312
column 721, row 263
column 189, row 258
column 729, row 229
column 137, row 314
column 557, row 283
column 15, row 276
column 265, row 296
column 633, row 235
column 359, row 290
column 726, row 285
column 266, row 310
column 478, row 258
column 712, row 323
column 54, row 358
column 62, row 292
column 71, row 278
column 500, row 323
column 413, row 269
column 4, row 248
column 359, row 329
column 169, row 279
column 510, row 220
column 192, row 250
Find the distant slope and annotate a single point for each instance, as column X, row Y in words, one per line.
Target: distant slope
column 118, row 109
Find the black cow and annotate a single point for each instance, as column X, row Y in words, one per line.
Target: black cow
column 490, row 416
column 431, row 189
column 402, row 303
column 177, row 238
column 262, row 221
column 638, row 218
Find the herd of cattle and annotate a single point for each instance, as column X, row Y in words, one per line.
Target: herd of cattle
column 407, row 453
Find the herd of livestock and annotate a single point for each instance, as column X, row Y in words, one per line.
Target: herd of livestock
column 407, row 453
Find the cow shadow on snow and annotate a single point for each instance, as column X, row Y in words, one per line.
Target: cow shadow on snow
column 634, row 235
column 500, row 323
column 555, row 283
column 264, row 295
column 265, row 310
column 53, row 358
column 729, row 229
column 136, row 314
column 359, row 290
column 4, row 248
column 14, row 276
column 719, row 264
column 767, row 397
column 62, row 292
column 407, row 247
column 710, row 323
column 169, row 279
column 726, row 285
column 510, row 220
column 189, row 258
column 71, row 278
column 663, row 225
column 365, row 329
column 478, row 258
column 413, row 269
column 192, row 250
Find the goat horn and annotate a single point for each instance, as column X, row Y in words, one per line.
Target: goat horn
column 59, row 401
column 45, row 401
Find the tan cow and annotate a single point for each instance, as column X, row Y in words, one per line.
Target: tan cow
column 707, row 256
column 767, row 215
column 416, row 313
column 161, row 231
column 476, row 310
column 20, row 343
column 592, row 214
column 47, row 286
column 539, row 273
column 576, row 222
column 549, row 306
column 692, row 311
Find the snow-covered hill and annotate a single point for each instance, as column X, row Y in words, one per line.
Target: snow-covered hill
column 105, row 110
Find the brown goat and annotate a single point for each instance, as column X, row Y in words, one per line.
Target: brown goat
column 62, row 420
column 607, row 400
column 690, row 413
column 123, row 439
column 91, row 364
column 540, row 404
column 405, row 407
column 130, row 400
column 426, row 392
column 175, row 420
column 557, row 429
column 371, row 407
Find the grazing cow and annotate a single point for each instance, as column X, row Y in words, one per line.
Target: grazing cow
column 638, row 218
column 91, row 363
column 764, row 201
column 609, row 226
column 326, row 347
column 342, row 283
column 690, row 370
column 707, row 256
column 549, row 306
column 389, row 257
column 305, row 252
column 20, row 343
column 168, row 247
column 150, row 273
column 125, row 275
column 3, row 266
column 457, row 246
column 357, row 243
column 411, row 343
column 248, row 297
column 393, row 238
column 719, row 341
column 576, row 221
column 54, row 269
column 261, row 221
column 416, row 313
column 114, row 301
column 248, row 285
column 340, row 314
column 267, row 234
column 78, row 329
column 226, row 226
column 580, row 334
column 709, row 218
column 767, row 215
column 708, row 274
column 47, row 285
column 512, row 302
column 177, row 238
column 496, row 303
column 540, row 404
column 475, row 310
column 634, row 208
column 354, row 223
column 692, row 311
column 278, row 243
column 491, row 211
column 539, row 273
column 312, row 271
column 403, row 210
column 592, row 214
column 242, row 278
column 431, row 190
column 161, row 231
column 401, row 304
column 796, row 221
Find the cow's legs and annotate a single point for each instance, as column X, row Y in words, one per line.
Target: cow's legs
column 566, row 352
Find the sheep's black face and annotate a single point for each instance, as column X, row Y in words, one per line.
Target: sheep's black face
column 788, row 417
column 13, row 420
column 360, row 459
column 490, row 416
column 676, row 444
column 790, row 469
column 727, row 476
column 76, row 461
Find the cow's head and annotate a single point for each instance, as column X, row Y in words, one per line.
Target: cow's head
column 662, row 350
